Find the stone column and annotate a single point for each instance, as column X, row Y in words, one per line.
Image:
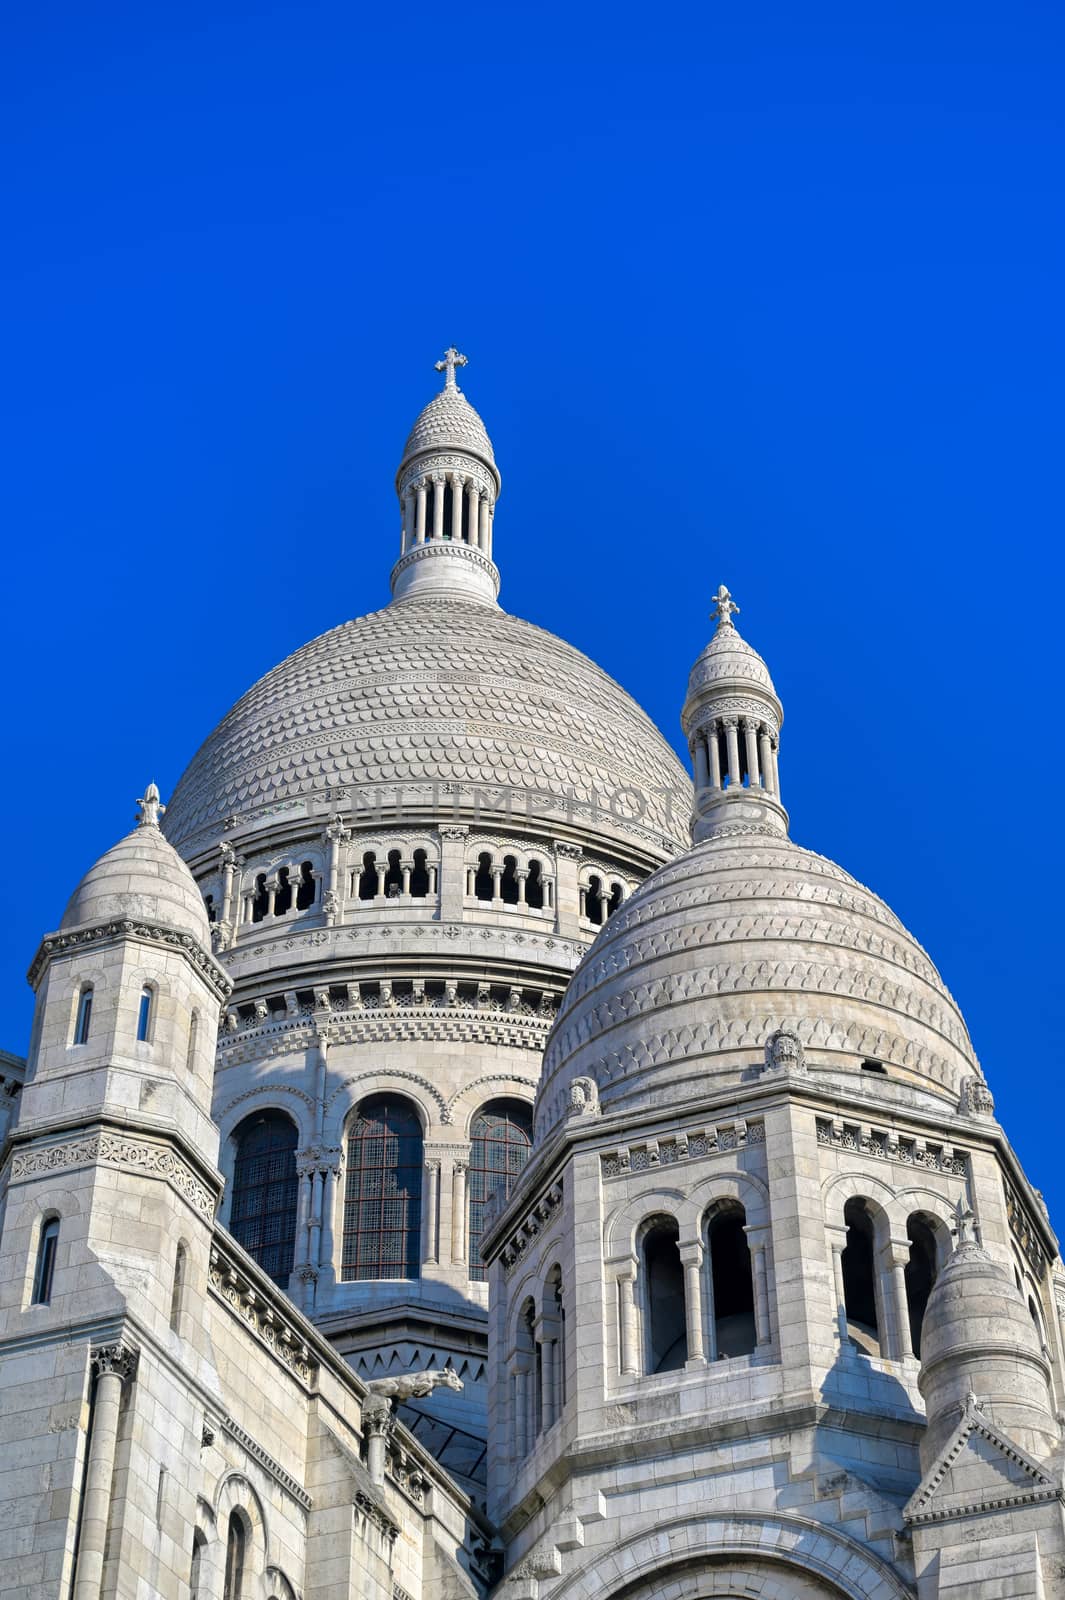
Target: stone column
column 715, row 756
column 432, row 1213
column 763, row 1331
column 750, row 734
column 691, row 1256
column 522, row 875
column 458, row 1212
column 314, row 1228
column 419, row 515
column 113, row 1365
column 733, row 743
column 702, row 772
column 456, row 508
column 544, row 1336
column 408, row 520
column 439, row 480
column 272, row 886
column 337, row 836
column 381, row 868
column 896, row 1260
column 837, row 1238
column 473, row 509
column 710, row 1313
column 774, row 746
column 765, row 759
column 331, row 1176
column 497, row 882
column 628, row 1338
column 486, row 525
column 378, row 1424
column 452, row 873
column 406, row 868
column 229, row 862
column 304, row 1178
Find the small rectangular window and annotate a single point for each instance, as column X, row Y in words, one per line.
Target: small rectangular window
column 42, row 1278
column 84, row 1017
column 144, row 1015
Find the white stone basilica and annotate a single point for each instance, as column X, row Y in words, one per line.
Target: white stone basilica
column 454, row 1157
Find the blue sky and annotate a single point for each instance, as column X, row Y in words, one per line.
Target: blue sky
column 768, row 295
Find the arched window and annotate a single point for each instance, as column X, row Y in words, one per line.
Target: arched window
column 534, row 888
column 283, row 896
column 199, row 1539
column 500, row 1143
column 368, row 877
column 593, row 904
column 484, row 883
column 144, row 1014
column 394, row 876
column 265, row 1191
column 47, row 1245
column 383, row 1209
column 419, row 878
column 235, row 1542
column 211, row 908
column 306, row 889
column 920, row 1274
column 616, row 896
column 508, row 885
column 194, row 1035
column 731, row 1282
column 666, row 1318
column 177, row 1291
column 83, row 1018
column 859, row 1278
column 261, row 899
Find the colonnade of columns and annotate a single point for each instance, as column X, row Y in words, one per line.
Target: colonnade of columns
column 602, row 897
column 717, row 758
column 537, row 1378
column 427, row 517
column 498, row 871
column 272, row 886
column 892, row 1299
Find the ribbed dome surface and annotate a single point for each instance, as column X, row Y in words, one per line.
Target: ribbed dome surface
column 743, row 935
column 729, row 659
column 449, row 422
column 141, row 878
column 433, row 691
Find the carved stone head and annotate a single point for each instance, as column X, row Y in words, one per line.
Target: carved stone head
column 784, row 1052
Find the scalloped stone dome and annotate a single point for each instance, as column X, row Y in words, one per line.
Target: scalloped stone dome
column 141, row 877
column 449, row 422
column 744, row 934
column 433, row 691
column 729, row 659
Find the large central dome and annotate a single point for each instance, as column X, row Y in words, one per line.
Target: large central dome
column 435, row 691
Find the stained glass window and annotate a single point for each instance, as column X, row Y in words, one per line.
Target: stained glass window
column 265, row 1192
column 383, row 1210
column 500, row 1142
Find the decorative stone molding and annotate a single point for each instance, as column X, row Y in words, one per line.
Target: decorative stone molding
column 784, row 1052
column 117, row 1150
column 119, row 1358
column 268, row 1464
column 156, row 933
column 268, row 1320
column 1024, row 1230
column 584, row 1098
column 525, row 1029
column 687, row 1146
column 376, row 1515
column 1034, row 1485
column 889, row 1146
column 976, row 1099
column 537, row 1218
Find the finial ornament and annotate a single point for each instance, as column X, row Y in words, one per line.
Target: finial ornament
column 151, row 808
column 964, row 1217
column 724, row 608
column 452, row 359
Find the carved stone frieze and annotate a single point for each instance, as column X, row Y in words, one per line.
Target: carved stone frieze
column 688, row 1146
column 266, row 1318
column 886, row 1144
column 538, row 1217
column 116, row 1150
column 126, row 928
column 1024, row 1230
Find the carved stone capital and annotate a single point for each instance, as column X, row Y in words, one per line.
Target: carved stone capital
column 118, row 1360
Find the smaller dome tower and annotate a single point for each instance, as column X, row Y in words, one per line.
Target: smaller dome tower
column 448, row 484
column 732, row 720
column 978, row 1338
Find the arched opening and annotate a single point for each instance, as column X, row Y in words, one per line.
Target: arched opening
column 859, row 1278
column 617, row 893
column 265, row 1191
column 83, row 1016
column 199, row 1541
column 920, row 1274
column 484, row 883
column 508, row 886
column 144, row 1014
column 236, row 1540
column 305, row 892
column 449, row 501
column 534, row 1386
column 383, row 1209
column 727, row 778
column 393, row 876
column 177, row 1290
column 194, row 1037
column 555, row 1318
column 534, row 886
column 44, row 1271
column 732, row 1282
column 500, row 1145
column 419, row 878
column 283, row 896
column 261, row 899
column 664, row 1306
column 368, row 877
column 593, row 904
column 210, row 908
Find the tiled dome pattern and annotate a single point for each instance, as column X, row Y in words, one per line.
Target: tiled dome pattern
column 449, row 422
column 728, row 658
column 739, row 937
column 430, row 691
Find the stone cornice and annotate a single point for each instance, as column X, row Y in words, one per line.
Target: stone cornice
column 460, row 1024
column 119, row 928
column 148, row 1152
